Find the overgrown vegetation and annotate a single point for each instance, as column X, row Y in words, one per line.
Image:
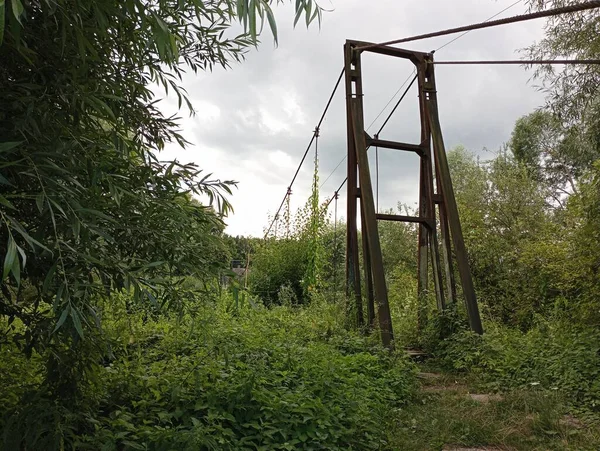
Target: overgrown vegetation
column 123, row 328
column 224, row 378
column 551, row 356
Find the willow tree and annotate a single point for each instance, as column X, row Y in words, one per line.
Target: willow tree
column 86, row 206
column 572, row 90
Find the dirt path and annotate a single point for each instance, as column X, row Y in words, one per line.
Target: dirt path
column 455, row 413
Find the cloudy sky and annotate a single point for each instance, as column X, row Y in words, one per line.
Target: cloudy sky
column 255, row 120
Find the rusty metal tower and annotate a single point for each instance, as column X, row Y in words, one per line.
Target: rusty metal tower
column 438, row 212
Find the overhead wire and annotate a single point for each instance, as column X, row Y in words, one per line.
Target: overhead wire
column 404, row 95
column 414, row 70
column 522, row 62
column 336, row 192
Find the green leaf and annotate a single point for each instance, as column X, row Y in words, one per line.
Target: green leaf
column 242, row 12
column 162, row 24
column 316, row 13
column 23, row 255
column 4, row 181
column 298, row 14
column 9, row 258
column 96, row 213
column 252, row 18
column 152, row 298
column 4, row 201
column 58, row 207
column 95, row 316
column 30, row 240
column 76, row 226
column 17, row 9
column 16, row 271
column 49, row 277
column 77, row 322
column 173, row 42
column 63, row 317
column 101, row 107
column 308, row 8
column 39, row 201
column 272, row 23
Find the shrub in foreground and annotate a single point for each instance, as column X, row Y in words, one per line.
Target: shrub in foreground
column 253, row 379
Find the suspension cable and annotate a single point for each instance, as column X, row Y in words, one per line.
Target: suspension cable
column 331, row 173
column 414, row 70
column 397, row 104
column 337, row 191
column 378, row 116
column 514, row 19
column 337, row 84
column 287, row 212
column 391, row 99
column 376, row 135
column 523, row 62
column 486, row 20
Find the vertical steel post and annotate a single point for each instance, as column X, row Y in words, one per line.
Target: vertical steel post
column 443, row 173
column 368, row 269
column 352, row 69
column 446, row 248
column 429, row 204
column 422, row 263
column 369, row 227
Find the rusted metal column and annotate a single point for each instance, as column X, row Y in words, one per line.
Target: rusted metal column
column 352, row 70
column 443, row 173
column 423, row 234
column 422, row 263
column 368, row 269
column 370, row 224
column 429, row 203
column 446, row 249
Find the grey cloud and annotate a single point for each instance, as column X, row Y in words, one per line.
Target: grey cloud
column 478, row 104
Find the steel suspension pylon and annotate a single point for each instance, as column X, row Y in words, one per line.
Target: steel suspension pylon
column 438, row 212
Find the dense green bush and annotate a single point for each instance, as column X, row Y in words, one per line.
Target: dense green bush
column 552, row 355
column 276, row 264
column 279, row 378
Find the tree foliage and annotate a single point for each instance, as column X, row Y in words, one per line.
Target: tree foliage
column 295, row 262
column 555, row 154
column 572, row 89
column 87, row 206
